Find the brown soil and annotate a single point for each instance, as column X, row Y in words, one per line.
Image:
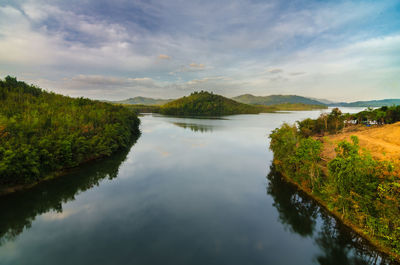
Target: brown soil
column 383, row 142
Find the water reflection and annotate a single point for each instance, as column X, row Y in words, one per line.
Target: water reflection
column 20, row 209
column 195, row 127
column 300, row 214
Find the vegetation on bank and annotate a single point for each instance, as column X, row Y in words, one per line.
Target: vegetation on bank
column 382, row 115
column 42, row 133
column 139, row 108
column 336, row 120
column 19, row 211
column 363, row 191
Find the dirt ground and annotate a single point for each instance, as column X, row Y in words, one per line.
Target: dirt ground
column 383, row 142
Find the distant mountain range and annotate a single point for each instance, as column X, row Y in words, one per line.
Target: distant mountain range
column 370, row 103
column 143, row 101
column 273, row 100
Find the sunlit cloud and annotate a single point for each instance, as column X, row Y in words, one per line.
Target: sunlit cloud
column 164, row 57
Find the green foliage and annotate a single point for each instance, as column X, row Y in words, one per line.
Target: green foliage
column 383, row 115
column 208, row 104
column 325, row 123
column 42, row 132
column 283, row 142
column 364, row 190
column 297, row 156
column 139, row 108
column 354, row 174
column 335, row 121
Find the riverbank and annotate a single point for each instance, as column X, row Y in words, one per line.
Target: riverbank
column 375, row 243
column 6, row 190
column 359, row 187
column 42, row 134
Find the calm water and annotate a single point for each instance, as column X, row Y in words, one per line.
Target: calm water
column 190, row 191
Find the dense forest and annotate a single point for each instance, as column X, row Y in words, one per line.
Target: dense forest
column 361, row 190
column 42, row 133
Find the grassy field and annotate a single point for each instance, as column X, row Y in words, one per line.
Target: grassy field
column 383, row 142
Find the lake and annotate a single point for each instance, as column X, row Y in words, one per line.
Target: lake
column 190, row 191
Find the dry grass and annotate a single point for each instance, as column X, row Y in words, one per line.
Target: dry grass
column 383, row 142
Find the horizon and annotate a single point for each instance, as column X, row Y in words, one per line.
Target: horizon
column 340, row 51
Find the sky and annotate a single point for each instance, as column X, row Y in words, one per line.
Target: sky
column 336, row 50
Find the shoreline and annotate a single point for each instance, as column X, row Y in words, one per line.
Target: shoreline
column 6, row 190
column 62, row 172
column 359, row 231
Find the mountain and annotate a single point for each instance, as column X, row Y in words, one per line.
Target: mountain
column 275, row 99
column 143, row 101
column 324, row 101
column 370, row 103
column 208, row 104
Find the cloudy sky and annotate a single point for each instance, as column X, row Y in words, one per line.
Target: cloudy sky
column 338, row 50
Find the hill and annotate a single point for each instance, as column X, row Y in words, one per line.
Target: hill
column 42, row 133
column 199, row 105
column 275, row 99
column 370, row 103
column 209, row 104
column 295, row 107
column 143, row 101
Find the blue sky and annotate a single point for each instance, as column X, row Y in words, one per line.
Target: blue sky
column 338, row 50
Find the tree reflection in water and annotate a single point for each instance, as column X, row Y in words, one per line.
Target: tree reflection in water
column 20, row 209
column 301, row 215
column 195, row 127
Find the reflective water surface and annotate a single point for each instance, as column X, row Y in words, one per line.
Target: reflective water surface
column 190, row 191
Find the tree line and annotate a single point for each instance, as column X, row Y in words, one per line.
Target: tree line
column 334, row 122
column 42, row 132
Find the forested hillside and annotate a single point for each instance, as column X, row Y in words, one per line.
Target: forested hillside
column 275, row 99
column 209, row 104
column 42, row 133
column 370, row 103
column 143, row 101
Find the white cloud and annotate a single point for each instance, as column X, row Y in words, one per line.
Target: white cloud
column 23, row 44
